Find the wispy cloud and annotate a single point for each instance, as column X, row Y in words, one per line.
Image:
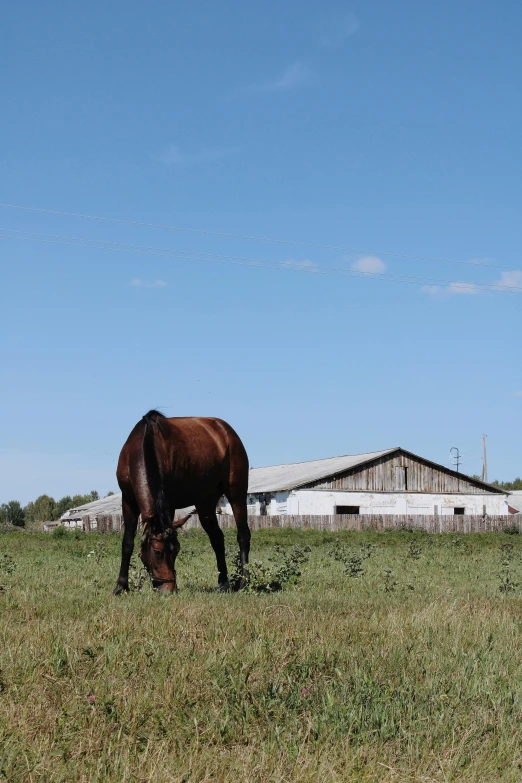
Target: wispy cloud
column 508, row 281
column 370, row 265
column 305, row 266
column 452, row 289
column 337, row 27
column 295, row 75
column 518, row 394
column 137, row 282
column 174, row 156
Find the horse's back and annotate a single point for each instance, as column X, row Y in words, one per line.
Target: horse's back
column 209, row 442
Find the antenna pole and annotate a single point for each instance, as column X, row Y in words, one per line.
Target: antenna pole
column 455, row 456
column 484, row 460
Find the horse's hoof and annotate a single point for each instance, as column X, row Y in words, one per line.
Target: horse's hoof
column 120, row 589
column 223, row 587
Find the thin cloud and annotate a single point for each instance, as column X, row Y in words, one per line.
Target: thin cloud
column 508, row 281
column 370, row 265
column 453, row 289
column 464, row 289
column 518, row 394
column 305, row 266
column 295, row 75
column 137, row 282
column 338, row 27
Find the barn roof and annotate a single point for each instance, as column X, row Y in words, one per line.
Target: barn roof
column 103, row 508
column 96, row 508
column 278, row 478
column 281, row 477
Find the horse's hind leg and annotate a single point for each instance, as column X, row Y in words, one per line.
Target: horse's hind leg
column 130, row 523
column 239, row 509
column 208, row 518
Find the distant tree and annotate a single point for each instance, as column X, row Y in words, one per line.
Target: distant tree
column 63, row 505
column 42, row 509
column 509, row 485
column 12, row 513
column 109, row 494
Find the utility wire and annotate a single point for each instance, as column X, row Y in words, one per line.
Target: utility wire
column 248, row 237
column 177, row 254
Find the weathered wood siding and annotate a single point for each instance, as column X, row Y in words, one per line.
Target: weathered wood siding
column 400, row 472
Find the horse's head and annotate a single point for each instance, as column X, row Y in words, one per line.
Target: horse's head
column 158, row 554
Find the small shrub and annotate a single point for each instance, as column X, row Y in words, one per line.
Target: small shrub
column 353, row 565
column 60, row 532
column 7, row 567
column 389, row 582
column 137, row 576
column 351, row 559
column 284, row 569
column 507, row 585
column 414, row 550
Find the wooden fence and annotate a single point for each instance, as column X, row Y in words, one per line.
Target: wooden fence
column 462, row 523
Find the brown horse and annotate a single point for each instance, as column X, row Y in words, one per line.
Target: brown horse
column 168, row 464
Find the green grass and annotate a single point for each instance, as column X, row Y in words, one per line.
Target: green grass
column 333, row 679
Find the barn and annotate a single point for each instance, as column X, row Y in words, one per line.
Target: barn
column 393, row 481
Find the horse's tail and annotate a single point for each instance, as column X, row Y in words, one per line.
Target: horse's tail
column 153, row 469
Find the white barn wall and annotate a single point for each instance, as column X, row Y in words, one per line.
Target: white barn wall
column 309, row 501
column 313, row 501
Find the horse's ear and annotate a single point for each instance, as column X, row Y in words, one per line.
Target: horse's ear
column 180, row 522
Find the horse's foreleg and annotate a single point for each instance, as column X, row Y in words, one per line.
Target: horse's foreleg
column 209, row 523
column 130, row 523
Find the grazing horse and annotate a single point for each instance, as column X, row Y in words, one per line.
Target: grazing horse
column 168, row 464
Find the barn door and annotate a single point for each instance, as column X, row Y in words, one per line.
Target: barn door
column 400, row 478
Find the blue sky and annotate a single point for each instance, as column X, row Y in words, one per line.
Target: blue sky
column 390, row 130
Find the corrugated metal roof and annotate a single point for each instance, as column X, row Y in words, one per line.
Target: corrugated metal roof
column 97, row 508
column 105, row 507
column 280, row 477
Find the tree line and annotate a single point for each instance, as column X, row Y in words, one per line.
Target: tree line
column 509, row 486
column 44, row 509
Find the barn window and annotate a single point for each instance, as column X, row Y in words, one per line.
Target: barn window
column 459, row 511
column 347, row 509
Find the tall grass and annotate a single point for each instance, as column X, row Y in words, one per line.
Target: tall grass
column 335, row 679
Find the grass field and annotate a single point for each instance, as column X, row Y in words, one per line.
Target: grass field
column 410, row 671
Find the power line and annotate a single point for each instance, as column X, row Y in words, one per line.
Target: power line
column 230, row 235
column 177, row 254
